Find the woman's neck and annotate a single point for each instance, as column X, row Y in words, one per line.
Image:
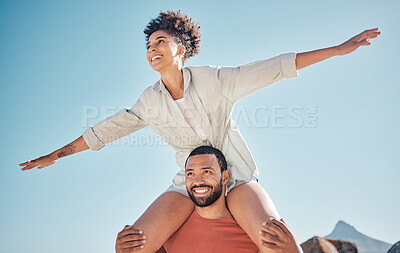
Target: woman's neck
column 173, row 81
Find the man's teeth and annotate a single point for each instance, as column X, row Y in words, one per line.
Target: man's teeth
column 201, row 191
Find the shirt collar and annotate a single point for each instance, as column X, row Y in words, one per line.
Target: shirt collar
column 159, row 85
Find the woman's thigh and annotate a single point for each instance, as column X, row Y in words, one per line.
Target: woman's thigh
column 250, row 205
column 162, row 218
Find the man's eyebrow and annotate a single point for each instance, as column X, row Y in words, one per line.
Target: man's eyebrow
column 203, row 168
column 159, row 37
column 207, row 168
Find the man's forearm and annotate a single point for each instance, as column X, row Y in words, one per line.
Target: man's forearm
column 308, row 58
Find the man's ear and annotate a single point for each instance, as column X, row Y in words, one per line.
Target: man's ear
column 226, row 174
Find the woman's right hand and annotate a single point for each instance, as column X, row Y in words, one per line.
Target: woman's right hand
column 76, row 146
column 40, row 162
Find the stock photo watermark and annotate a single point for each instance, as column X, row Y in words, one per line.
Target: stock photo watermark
column 276, row 116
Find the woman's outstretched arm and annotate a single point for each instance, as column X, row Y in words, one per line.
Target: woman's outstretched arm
column 363, row 39
column 76, row 146
column 122, row 123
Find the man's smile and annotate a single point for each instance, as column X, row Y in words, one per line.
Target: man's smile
column 201, row 189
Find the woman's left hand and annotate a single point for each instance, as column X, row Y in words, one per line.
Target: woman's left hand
column 362, row 39
column 130, row 240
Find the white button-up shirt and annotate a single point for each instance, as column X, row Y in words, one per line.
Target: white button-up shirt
column 212, row 93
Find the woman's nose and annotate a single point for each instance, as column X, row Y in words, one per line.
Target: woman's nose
column 152, row 48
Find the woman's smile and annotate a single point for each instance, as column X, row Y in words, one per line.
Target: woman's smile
column 155, row 58
column 162, row 51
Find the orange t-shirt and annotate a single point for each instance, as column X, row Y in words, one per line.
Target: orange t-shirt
column 202, row 235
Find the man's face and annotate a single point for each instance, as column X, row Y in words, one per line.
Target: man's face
column 204, row 181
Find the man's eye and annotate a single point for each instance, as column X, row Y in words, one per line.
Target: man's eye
column 207, row 171
column 189, row 174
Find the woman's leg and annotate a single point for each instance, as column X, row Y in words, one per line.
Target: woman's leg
column 162, row 218
column 250, row 205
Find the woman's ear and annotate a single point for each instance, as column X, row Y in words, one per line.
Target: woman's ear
column 182, row 50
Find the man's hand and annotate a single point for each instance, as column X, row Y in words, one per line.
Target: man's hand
column 362, row 39
column 275, row 235
column 130, row 240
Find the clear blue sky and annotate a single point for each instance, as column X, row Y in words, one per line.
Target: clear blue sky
column 62, row 62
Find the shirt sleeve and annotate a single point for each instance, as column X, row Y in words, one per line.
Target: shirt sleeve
column 122, row 123
column 238, row 82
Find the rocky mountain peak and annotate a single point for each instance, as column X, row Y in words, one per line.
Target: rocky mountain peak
column 343, row 228
column 365, row 244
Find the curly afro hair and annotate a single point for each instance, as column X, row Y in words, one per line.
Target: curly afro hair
column 181, row 27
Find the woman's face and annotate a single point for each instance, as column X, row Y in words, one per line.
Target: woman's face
column 163, row 52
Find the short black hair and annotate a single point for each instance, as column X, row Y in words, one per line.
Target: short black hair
column 204, row 150
column 179, row 26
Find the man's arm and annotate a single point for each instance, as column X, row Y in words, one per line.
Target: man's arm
column 363, row 39
column 275, row 235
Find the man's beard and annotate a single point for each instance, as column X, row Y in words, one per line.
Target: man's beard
column 206, row 200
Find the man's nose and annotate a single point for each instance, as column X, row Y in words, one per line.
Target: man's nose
column 197, row 180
